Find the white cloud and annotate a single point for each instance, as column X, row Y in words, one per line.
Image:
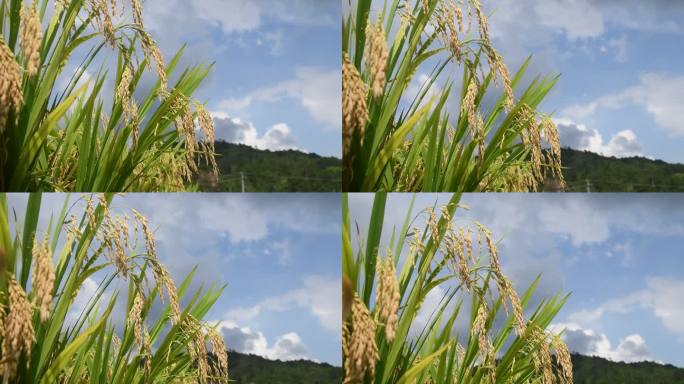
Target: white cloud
column 579, row 136
column 233, row 16
column 281, row 249
column 662, row 297
column 619, row 47
column 230, row 15
column 275, row 40
column 585, row 24
column 661, row 95
column 250, row 226
column 87, row 291
column 321, row 295
column 576, row 220
column 277, row 138
column 417, row 85
column 576, row 18
column 317, row 90
column 288, row 346
column 238, row 218
column 624, row 251
column 430, row 304
column 631, row 348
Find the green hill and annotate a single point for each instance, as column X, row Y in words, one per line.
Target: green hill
column 268, row 171
column 252, row 369
column 610, row 174
column 595, row 370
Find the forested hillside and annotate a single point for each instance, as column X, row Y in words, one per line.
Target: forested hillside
column 585, row 170
column 269, row 171
column 252, row 369
column 595, row 370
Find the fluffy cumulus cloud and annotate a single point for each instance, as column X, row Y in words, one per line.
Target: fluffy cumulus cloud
column 277, row 138
column 631, row 348
column 419, row 85
column 316, row 89
column 660, row 95
column 576, row 18
column 233, row 16
column 242, row 339
column 579, row 136
column 662, row 296
column 587, row 19
column 585, row 24
column 321, row 295
column 82, row 300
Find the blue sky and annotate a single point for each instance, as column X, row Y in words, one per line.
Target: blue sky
column 276, row 83
column 278, row 255
column 621, row 87
column 618, row 254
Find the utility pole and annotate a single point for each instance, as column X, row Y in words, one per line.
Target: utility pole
column 242, row 181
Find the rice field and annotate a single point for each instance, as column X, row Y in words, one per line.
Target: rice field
column 49, row 334
column 389, row 338
column 399, row 139
column 57, row 134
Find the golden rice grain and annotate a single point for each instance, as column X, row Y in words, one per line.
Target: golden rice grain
column 550, row 131
column 19, row 334
column 449, row 25
column 123, row 93
column 464, row 244
column 31, row 35
column 206, row 123
column 482, row 20
column 160, row 274
column 218, row 348
column 491, row 246
column 433, row 224
column 104, row 19
column 564, row 359
column 542, row 355
column 135, row 319
column 376, row 58
column 354, row 108
column 362, row 349
column 43, row 279
column 479, row 328
column 459, row 16
column 531, row 137
column 147, row 352
column 10, row 83
column 153, row 54
column 387, row 296
column 469, row 109
column 137, row 12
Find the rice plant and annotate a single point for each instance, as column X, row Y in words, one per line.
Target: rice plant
column 477, row 333
column 397, row 141
column 56, row 131
column 45, row 337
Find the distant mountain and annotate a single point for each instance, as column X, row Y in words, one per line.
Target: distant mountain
column 595, row 370
column 253, row 369
column 271, row 171
column 587, row 170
